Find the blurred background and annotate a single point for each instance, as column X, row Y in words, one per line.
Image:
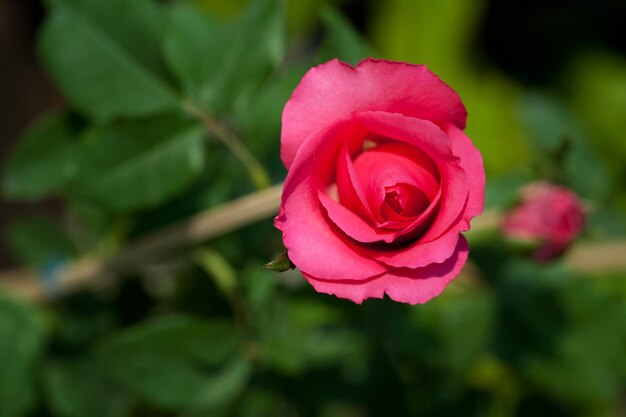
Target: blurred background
column 121, row 118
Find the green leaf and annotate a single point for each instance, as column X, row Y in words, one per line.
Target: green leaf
column 562, row 147
column 296, row 335
column 185, row 46
column 465, row 316
column 596, row 323
column 79, row 389
column 598, row 82
column 221, row 67
column 261, row 403
column 503, row 191
column 342, row 39
column 178, row 362
column 437, row 33
column 260, row 120
column 37, row 240
column 280, row 264
column 259, row 286
column 218, row 268
column 20, row 347
column 104, row 56
column 42, row 159
column 492, row 102
column 141, row 163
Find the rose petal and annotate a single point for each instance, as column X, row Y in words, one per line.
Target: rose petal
column 360, row 230
column 335, row 91
column 420, row 254
column 427, row 137
column 314, row 244
column 394, row 163
column 412, row 286
column 351, row 224
column 472, row 163
column 349, row 188
column 422, row 134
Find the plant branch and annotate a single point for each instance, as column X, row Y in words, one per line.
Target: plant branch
column 26, row 283
column 259, row 175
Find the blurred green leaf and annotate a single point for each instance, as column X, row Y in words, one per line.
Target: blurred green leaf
column 262, row 403
column 259, row 286
column 104, row 56
column 79, row 389
column 562, row 148
column 439, row 34
column 493, row 124
column 178, row 362
column 78, row 320
column 42, row 160
column 589, row 363
column 37, row 240
column 303, row 15
column 218, row 268
column 20, row 347
column 220, row 67
column 342, row 40
column 458, row 316
column 260, row 120
column 189, row 33
column 605, row 222
column 298, row 334
column 436, row 33
column 141, row 163
column 220, row 8
column 92, row 227
column 503, row 191
column 597, row 84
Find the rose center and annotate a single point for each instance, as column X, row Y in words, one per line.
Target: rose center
column 405, row 199
column 393, row 200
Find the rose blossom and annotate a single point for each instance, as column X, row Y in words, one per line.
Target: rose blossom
column 381, row 181
column 547, row 214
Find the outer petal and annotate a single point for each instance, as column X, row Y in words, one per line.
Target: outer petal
column 335, row 90
column 314, row 244
column 472, row 164
column 420, row 254
column 412, row 286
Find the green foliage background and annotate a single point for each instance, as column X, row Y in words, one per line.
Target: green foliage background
column 207, row 332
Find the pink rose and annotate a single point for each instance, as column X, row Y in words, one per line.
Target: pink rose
column 381, row 181
column 547, row 214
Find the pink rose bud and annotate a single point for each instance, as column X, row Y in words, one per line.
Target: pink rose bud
column 381, row 181
column 548, row 215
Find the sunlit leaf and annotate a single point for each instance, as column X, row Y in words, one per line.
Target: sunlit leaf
column 104, row 56
column 221, row 66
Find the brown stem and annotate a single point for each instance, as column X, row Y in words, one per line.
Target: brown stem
column 590, row 257
column 27, row 284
